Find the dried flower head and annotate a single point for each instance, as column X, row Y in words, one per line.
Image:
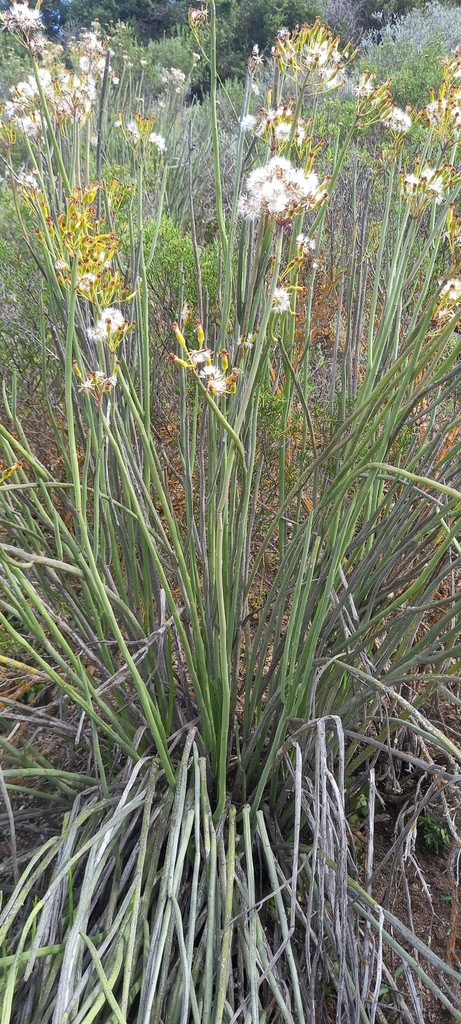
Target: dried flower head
column 255, row 59
column 281, row 301
column 312, row 52
column 22, row 18
column 215, row 381
column 248, row 122
column 398, row 120
column 197, row 17
column 111, row 328
column 98, row 383
column 280, row 190
column 429, row 185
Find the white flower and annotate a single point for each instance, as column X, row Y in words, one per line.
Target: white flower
column 366, row 86
column 398, row 120
column 97, row 384
column 158, row 141
column 435, row 112
column 430, row 185
column 247, row 122
column 197, row 356
column 30, row 126
column 281, row 301
column 281, row 190
column 91, row 43
column 246, row 340
column 300, row 133
column 317, row 55
column 24, row 91
column 67, row 96
column 86, row 282
column 305, row 244
column 22, row 17
column 332, row 81
column 282, row 131
column 60, row 265
column 452, row 290
column 249, row 208
column 174, row 76
column 434, row 182
column 38, row 43
column 410, row 183
column 28, row 181
column 216, row 382
column 111, row 324
column 133, row 132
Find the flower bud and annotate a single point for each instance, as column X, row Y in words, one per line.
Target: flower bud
column 179, row 337
column 200, row 333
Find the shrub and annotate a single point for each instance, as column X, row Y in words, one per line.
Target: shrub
column 409, row 51
column 239, row 618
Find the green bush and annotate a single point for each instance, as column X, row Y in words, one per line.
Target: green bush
column 413, row 72
column 232, row 602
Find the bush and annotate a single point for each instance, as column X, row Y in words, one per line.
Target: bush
column 428, row 23
column 244, row 607
column 409, row 50
column 413, row 72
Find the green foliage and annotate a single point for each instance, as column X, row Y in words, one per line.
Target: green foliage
column 435, row 835
column 151, row 19
column 359, row 810
column 259, row 22
column 173, row 273
column 145, row 61
column 14, row 63
column 242, row 570
column 20, row 284
column 413, row 73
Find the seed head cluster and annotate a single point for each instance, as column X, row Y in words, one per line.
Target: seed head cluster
column 281, row 301
column 138, row 132
column 111, row 328
column 281, row 191
column 449, row 302
column 398, row 120
column 22, row 18
column 428, row 185
column 69, row 94
column 312, row 51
